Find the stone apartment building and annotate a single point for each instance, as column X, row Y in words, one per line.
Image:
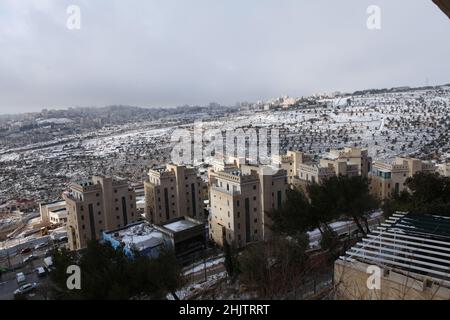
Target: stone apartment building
column 387, row 179
column 240, row 199
column 173, row 192
column 302, row 169
column 96, row 205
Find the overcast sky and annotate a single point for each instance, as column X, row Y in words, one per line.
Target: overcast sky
column 168, row 53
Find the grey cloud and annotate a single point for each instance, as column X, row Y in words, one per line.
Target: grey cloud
column 167, row 52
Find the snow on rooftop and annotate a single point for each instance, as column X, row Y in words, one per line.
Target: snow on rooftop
column 179, row 225
column 140, row 236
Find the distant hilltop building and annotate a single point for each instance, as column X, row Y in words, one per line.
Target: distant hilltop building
column 172, row 192
column 96, row 205
column 406, row 258
column 387, row 179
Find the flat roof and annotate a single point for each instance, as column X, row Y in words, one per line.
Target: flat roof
column 180, row 225
column 140, row 235
column 416, row 244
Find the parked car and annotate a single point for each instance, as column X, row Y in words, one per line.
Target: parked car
column 41, row 272
column 48, row 252
column 20, row 277
column 40, row 245
column 48, row 263
column 25, row 250
column 29, row 258
column 28, row 287
column 62, row 239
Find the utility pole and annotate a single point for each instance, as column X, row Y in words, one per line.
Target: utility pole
column 204, row 262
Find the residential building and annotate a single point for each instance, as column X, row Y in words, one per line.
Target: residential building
column 444, row 169
column 184, row 235
column 240, row 199
column 387, row 179
column 173, row 192
column 291, row 163
column 406, row 258
column 140, row 236
column 302, row 169
column 356, row 159
column 96, row 205
column 54, row 212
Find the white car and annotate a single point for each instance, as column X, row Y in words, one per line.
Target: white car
column 40, row 245
column 40, row 271
column 29, row 258
column 20, row 277
column 28, row 287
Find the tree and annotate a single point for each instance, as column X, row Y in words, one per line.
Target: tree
column 231, row 260
column 343, row 196
column 108, row 273
column 329, row 241
column 273, row 268
column 426, row 193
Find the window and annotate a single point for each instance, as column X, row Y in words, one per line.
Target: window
column 82, row 217
column 99, row 213
column 254, row 187
column 83, row 227
column 117, row 217
column 237, row 203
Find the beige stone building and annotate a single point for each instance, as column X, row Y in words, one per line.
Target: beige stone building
column 404, row 259
column 96, row 205
column 444, row 169
column 173, row 192
column 240, row 199
column 291, row 163
column 356, row 159
column 54, row 212
column 302, row 169
column 387, row 179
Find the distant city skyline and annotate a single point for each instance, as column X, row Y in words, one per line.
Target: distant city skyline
column 170, row 53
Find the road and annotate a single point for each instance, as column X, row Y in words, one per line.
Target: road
column 346, row 227
column 8, row 283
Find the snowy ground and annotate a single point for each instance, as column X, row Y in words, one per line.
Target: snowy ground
column 413, row 123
